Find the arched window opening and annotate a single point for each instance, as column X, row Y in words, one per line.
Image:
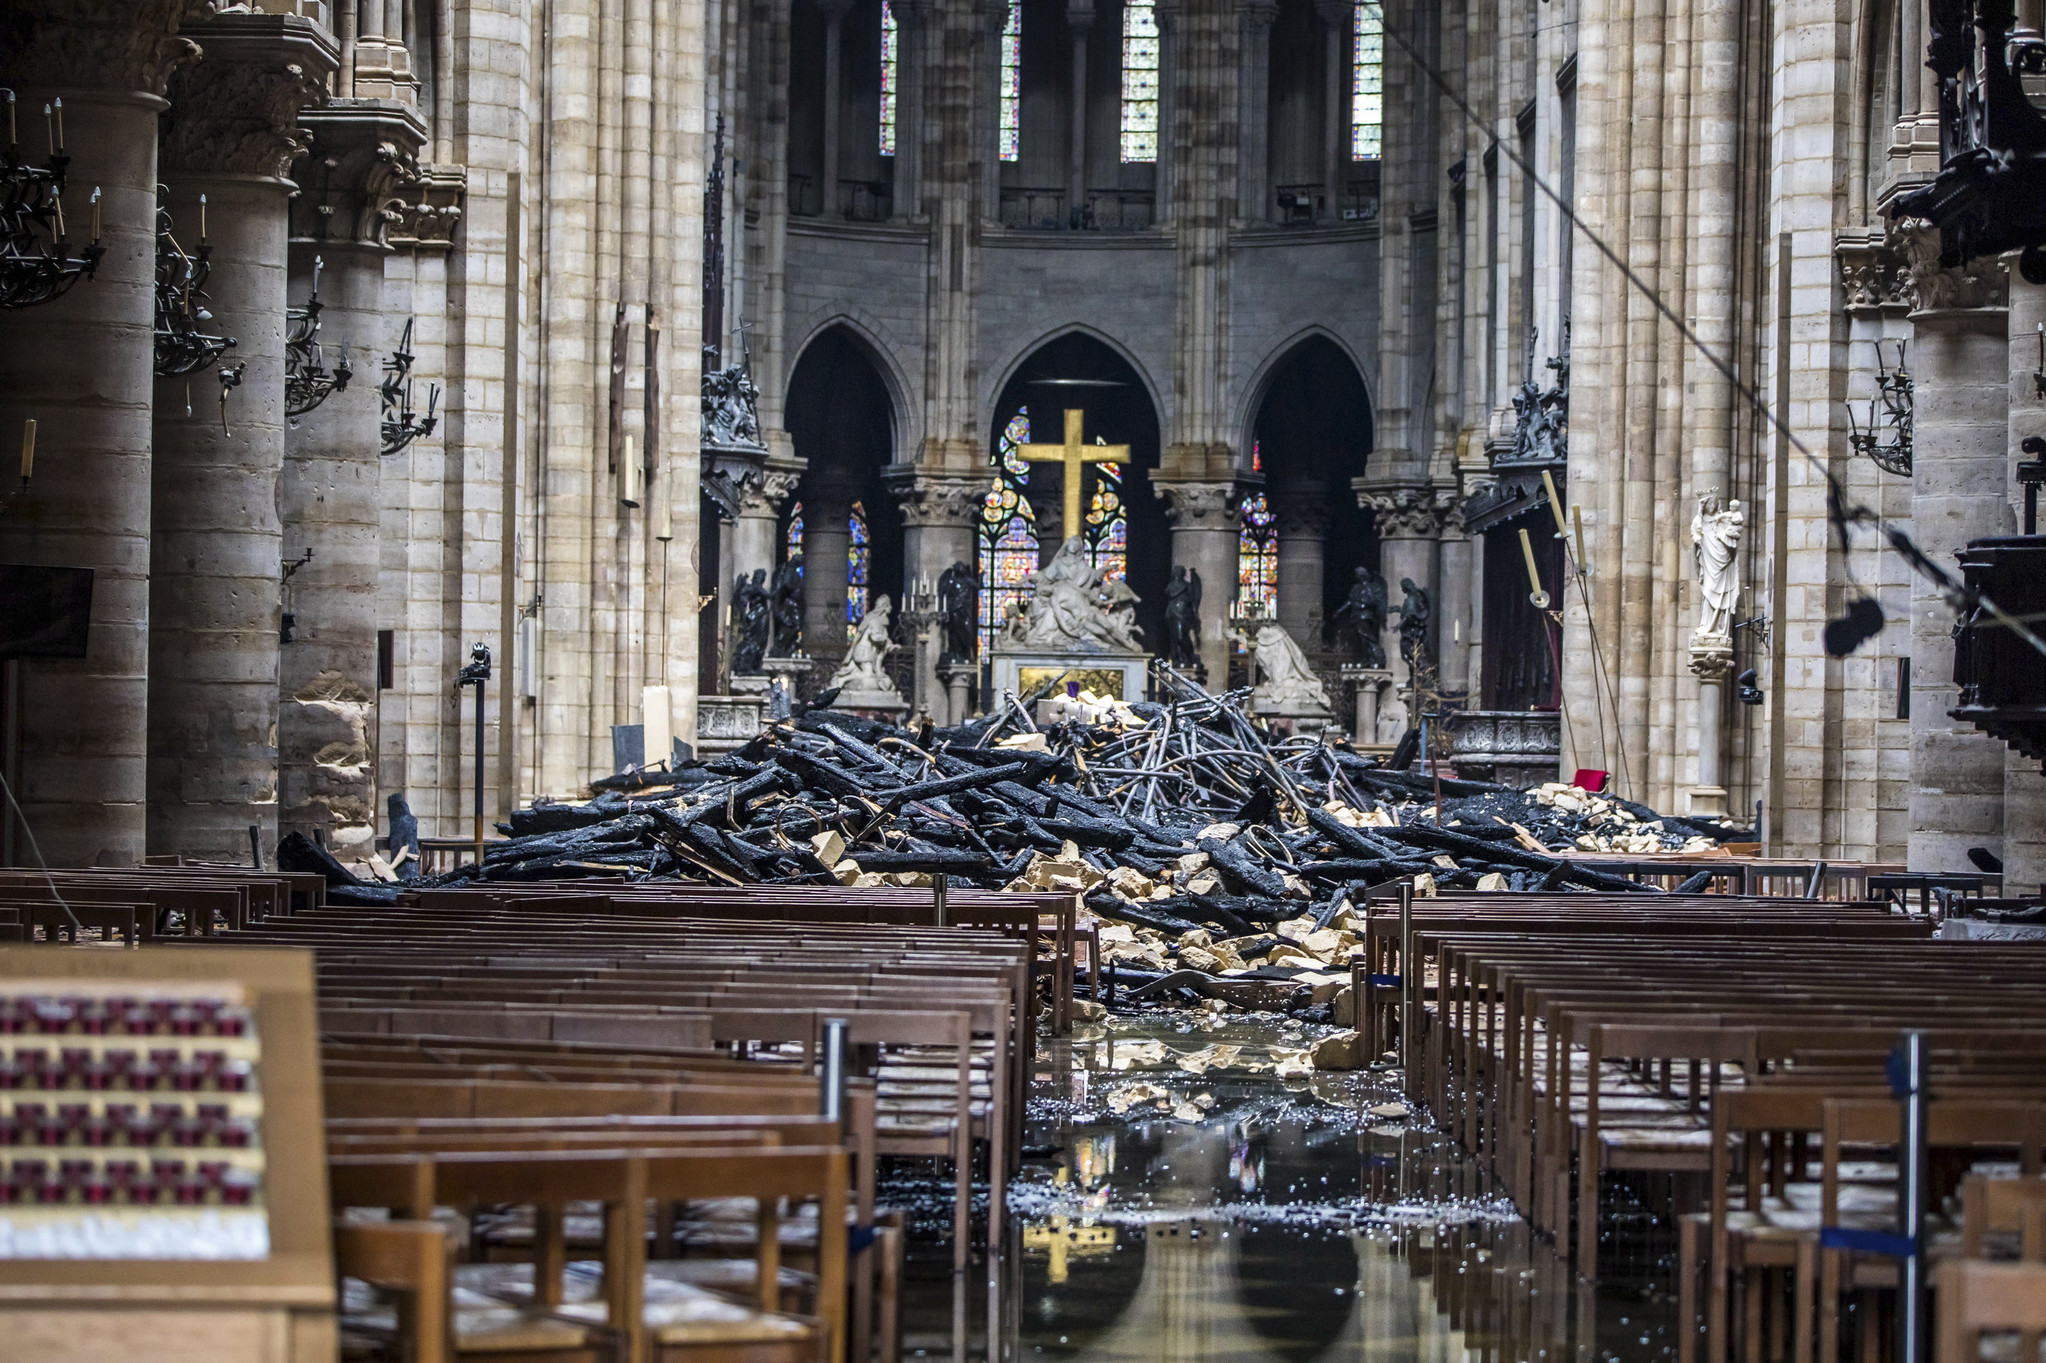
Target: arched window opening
column 1012, row 85
column 1139, row 81
column 1257, row 562
column 1008, row 533
column 792, row 543
column 1367, row 65
column 889, row 48
column 856, row 555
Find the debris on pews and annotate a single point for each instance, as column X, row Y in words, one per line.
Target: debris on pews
column 1226, row 862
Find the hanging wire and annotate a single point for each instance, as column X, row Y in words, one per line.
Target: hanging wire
column 1840, row 510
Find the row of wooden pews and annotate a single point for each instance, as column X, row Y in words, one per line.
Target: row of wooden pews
column 1734, row 1053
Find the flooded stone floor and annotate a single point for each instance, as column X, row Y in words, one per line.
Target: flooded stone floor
column 1190, row 1195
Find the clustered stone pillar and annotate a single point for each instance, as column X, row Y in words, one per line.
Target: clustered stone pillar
column 1079, row 19
column 333, row 476
column 1204, row 539
column 1302, row 522
column 1337, row 17
column 1960, row 361
column 1166, row 13
column 80, row 367
column 827, row 536
column 214, row 590
column 938, row 515
column 1408, row 523
column 910, row 19
column 834, row 12
column 751, row 540
column 1253, row 85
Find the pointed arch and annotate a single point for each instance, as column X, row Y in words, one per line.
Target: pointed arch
column 1007, row 373
column 908, row 432
column 1275, row 362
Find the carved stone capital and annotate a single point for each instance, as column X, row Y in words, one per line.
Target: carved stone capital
column 1711, row 657
column 767, row 490
column 120, row 46
column 1256, row 15
column 1410, row 513
column 1872, row 274
column 1199, row 506
column 935, row 499
column 236, row 112
column 362, row 157
column 429, row 208
column 1983, row 283
column 1302, row 512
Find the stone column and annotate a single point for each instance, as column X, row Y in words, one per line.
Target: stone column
column 939, row 512
column 1204, row 531
column 213, row 650
column 827, row 535
column 1302, row 521
column 383, row 64
column 1079, row 18
column 1253, row 85
column 752, row 540
column 910, row 16
column 1960, row 360
column 363, row 152
column 1712, row 667
column 834, row 12
column 1337, row 17
column 1409, row 522
column 80, row 366
column 1453, row 622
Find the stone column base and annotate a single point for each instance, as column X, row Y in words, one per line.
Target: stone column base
column 1707, row 802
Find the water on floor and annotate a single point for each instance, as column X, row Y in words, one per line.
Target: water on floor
column 1194, row 1192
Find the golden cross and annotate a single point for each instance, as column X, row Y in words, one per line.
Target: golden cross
column 1075, row 456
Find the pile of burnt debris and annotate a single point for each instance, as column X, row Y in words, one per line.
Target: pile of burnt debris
column 1172, row 817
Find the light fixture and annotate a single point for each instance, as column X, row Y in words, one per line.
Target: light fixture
column 36, row 263
column 307, row 382
column 401, row 425
column 182, row 344
column 1891, row 408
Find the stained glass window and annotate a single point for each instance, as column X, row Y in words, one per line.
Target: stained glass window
column 856, row 547
column 1257, row 562
column 1012, row 89
column 888, row 49
column 793, row 544
column 1139, row 81
column 1008, row 533
column 1108, row 521
column 1367, row 63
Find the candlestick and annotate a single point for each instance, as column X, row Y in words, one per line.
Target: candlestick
column 202, row 219
column 12, row 139
column 28, row 448
column 58, row 199
column 50, row 129
column 60, row 125
column 318, row 261
column 95, row 212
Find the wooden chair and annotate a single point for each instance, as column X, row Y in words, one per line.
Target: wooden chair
column 1981, row 1296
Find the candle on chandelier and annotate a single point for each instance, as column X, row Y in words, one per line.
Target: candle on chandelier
column 202, row 219
column 50, row 129
column 58, row 199
column 60, row 125
column 95, row 212
column 28, row 448
column 12, row 138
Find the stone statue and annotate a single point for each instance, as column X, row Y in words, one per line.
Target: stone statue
column 1072, row 608
column 788, row 608
column 780, row 703
column 731, row 405
column 1416, row 614
column 1364, row 611
column 1183, row 617
column 1287, row 684
column 750, row 612
column 862, row 679
column 1715, row 542
column 958, row 600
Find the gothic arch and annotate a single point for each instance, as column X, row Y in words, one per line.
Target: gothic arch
column 908, row 431
column 1029, row 348
column 1276, row 359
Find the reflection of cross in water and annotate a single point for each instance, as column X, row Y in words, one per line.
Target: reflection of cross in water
column 1074, row 456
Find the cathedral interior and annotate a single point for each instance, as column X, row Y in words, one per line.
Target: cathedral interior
column 435, row 415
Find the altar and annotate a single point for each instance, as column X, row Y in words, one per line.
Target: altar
column 1024, row 674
